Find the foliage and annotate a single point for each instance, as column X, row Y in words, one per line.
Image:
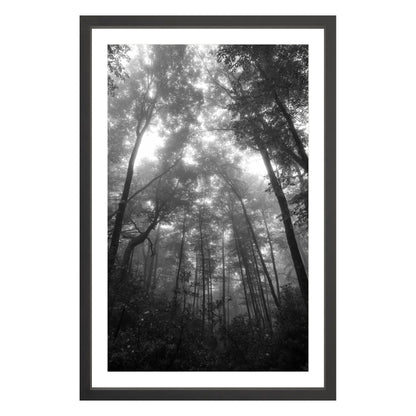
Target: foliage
column 117, row 55
column 152, row 339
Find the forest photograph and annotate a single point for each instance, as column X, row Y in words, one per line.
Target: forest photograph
column 207, row 207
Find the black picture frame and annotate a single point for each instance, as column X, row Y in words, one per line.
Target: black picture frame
column 328, row 23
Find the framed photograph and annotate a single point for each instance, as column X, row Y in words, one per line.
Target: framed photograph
column 207, row 156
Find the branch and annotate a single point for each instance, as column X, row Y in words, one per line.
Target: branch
column 146, row 186
column 215, row 81
column 151, row 246
column 136, row 226
column 154, row 179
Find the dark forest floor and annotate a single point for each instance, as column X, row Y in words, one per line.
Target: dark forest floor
column 153, row 337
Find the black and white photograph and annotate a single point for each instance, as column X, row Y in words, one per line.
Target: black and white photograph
column 208, row 207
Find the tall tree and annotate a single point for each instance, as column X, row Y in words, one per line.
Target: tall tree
column 264, row 82
column 161, row 89
column 289, row 230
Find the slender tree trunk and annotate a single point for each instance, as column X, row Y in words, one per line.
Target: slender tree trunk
column 115, row 238
column 300, row 177
column 150, row 261
column 241, row 271
column 203, row 271
column 253, row 294
column 195, row 283
column 287, row 222
column 178, row 272
column 185, row 291
column 272, row 256
column 261, row 291
column 223, row 284
column 251, row 230
column 243, row 280
column 137, row 262
column 131, row 261
column 153, row 262
column 295, row 135
column 228, row 297
column 245, row 283
column 289, row 120
column 267, row 291
column 153, row 281
column 237, row 194
column 145, row 251
column 198, row 295
column 210, row 302
column 275, row 299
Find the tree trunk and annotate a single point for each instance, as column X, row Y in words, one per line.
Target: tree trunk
column 261, row 291
column 134, row 242
column 295, row 135
column 195, row 283
column 223, row 284
column 146, row 186
column 275, row 299
column 131, row 261
column 115, row 238
column 203, row 271
column 229, row 299
column 210, row 302
column 145, row 251
column 153, row 262
column 175, row 295
column 287, row 222
column 302, row 181
column 237, row 194
column 253, row 294
column 272, row 255
column 241, row 271
column 289, row 120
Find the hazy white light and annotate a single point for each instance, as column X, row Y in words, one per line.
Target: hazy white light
column 254, row 164
column 189, row 156
column 208, row 138
column 151, row 141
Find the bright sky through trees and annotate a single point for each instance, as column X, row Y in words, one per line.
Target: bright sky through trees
column 152, row 141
